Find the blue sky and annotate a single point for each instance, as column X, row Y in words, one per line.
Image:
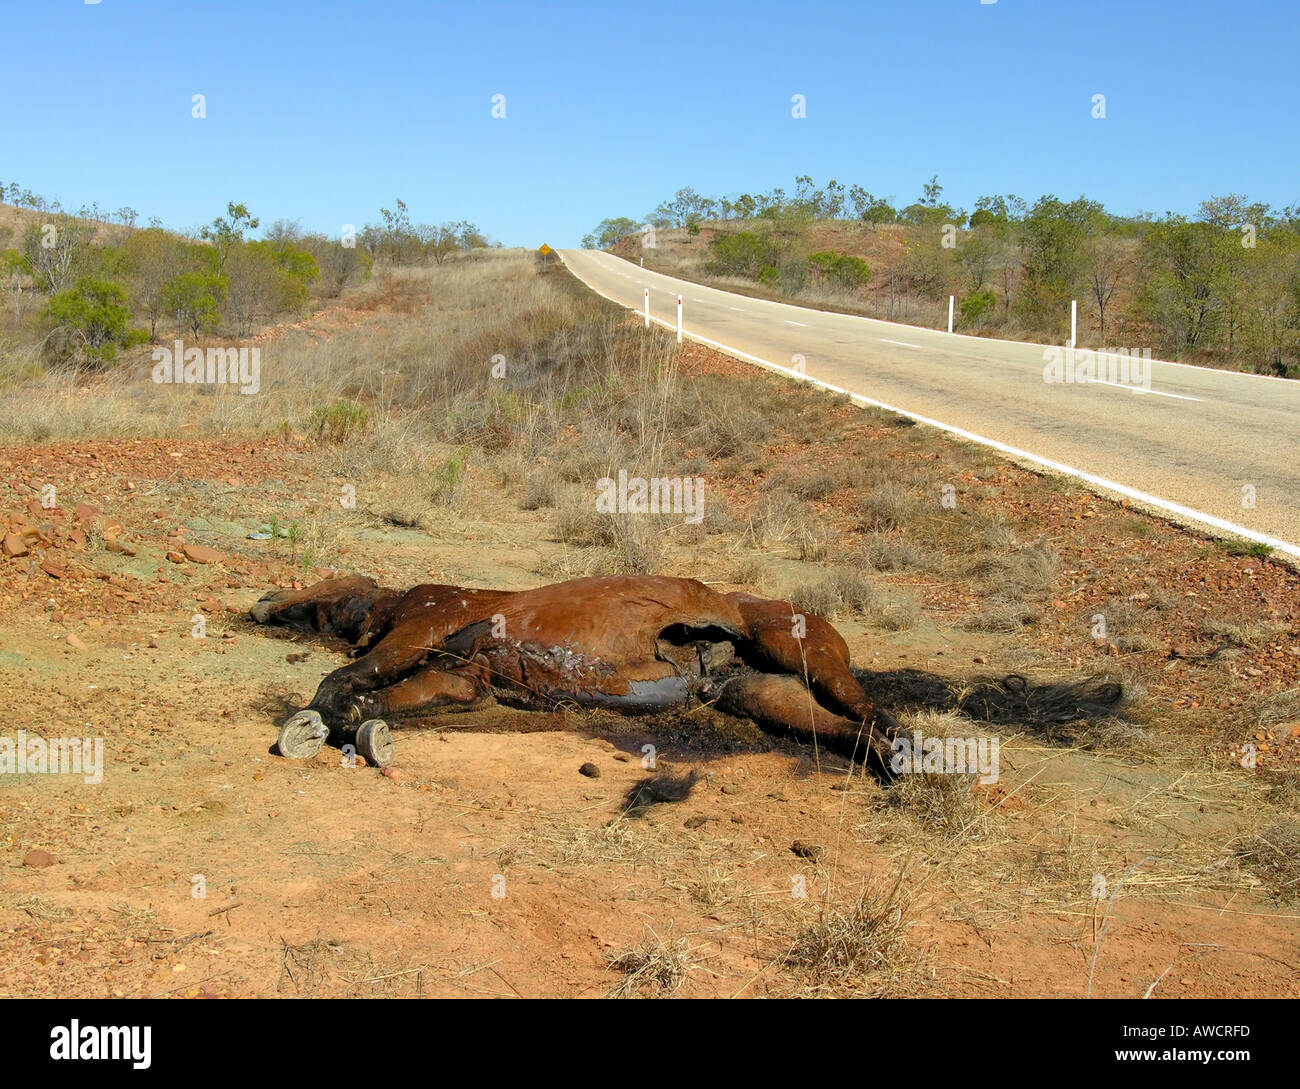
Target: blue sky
column 325, row 111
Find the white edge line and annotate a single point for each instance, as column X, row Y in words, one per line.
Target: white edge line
column 927, row 329
column 1275, row 543
column 1139, row 389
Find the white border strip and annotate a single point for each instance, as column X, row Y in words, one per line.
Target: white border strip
column 1275, row 543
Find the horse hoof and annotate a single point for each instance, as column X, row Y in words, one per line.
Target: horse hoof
column 375, row 742
column 302, row 736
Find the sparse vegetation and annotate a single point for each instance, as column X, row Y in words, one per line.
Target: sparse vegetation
column 1219, row 287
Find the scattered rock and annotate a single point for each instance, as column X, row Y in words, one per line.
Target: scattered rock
column 589, row 770
column 38, row 858
column 696, row 821
column 201, row 554
column 175, row 557
column 74, row 642
column 730, row 788
column 13, row 545
column 809, row 851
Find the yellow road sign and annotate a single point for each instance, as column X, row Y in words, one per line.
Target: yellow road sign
column 544, row 249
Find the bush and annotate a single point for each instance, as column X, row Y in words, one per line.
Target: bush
column 339, row 420
column 745, row 253
column 195, row 298
column 973, row 307
column 840, row 268
column 92, row 320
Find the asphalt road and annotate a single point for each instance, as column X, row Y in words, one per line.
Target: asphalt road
column 1198, row 445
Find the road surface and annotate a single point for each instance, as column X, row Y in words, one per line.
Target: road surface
column 1216, row 449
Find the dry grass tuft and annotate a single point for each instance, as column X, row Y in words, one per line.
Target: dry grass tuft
column 856, row 949
column 1273, row 855
column 657, row 965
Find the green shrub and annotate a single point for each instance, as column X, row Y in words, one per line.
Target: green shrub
column 339, row 420
column 975, row 306
column 195, row 299
column 840, row 268
column 92, row 320
column 446, row 479
column 745, row 253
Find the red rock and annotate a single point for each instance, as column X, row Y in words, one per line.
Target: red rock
column 54, row 570
column 86, row 512
column 74, row 642
column 118, row 546
column 39, row 858
column 175, row 557
column 13, row 545
column 77, row 538
column 201, row 553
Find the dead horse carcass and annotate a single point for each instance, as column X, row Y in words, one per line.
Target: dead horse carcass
column 633, row 643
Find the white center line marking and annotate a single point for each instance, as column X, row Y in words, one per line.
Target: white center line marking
column 789, row 322
column 1139, row 389
column 900, row 343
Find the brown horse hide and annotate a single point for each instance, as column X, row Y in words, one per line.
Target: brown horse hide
column 628, row 642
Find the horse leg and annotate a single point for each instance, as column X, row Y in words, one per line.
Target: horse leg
column 395, row 656
column 808, row 647
column 427, row 690
column 780, row 702
column 301, row 608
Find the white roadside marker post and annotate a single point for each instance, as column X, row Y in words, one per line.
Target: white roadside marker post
column 950, row 298
column 679, row 319
column 1074, row 320
column 647, row 308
